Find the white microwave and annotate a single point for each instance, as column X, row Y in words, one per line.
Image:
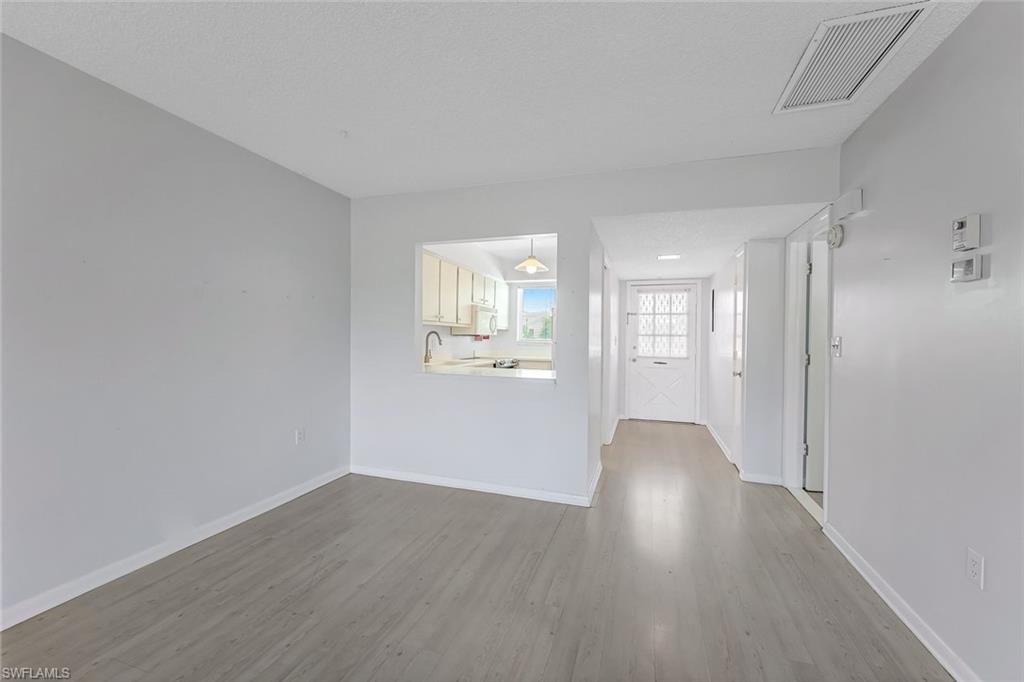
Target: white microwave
column 484, row 323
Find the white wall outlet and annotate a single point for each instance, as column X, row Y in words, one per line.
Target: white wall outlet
column 300, row 435
column 976, row 568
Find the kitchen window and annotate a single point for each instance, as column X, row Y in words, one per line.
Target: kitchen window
column 535, row 314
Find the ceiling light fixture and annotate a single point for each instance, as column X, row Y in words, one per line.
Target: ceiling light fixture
column 531, row 265
column 669, row 256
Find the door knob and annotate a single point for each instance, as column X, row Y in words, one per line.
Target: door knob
column 737, row 374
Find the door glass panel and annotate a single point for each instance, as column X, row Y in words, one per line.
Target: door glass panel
column 663, row 323
column 678, row 346
column 645, row 346
column 661, row 347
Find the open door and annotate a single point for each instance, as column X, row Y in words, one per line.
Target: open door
column 816, row 360
column 738, row 339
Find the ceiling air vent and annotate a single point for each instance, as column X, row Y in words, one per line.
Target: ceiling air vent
column 845, row 54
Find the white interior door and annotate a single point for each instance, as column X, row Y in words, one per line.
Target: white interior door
column 739, row 292
column 817, row 366
column 661, row 375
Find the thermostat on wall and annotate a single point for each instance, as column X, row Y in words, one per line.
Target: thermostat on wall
column 967, row 232
column 966, row 269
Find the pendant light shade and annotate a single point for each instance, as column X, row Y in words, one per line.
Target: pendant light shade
column 531, row 265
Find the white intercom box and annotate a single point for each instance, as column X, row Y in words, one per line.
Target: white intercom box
column 967, row 232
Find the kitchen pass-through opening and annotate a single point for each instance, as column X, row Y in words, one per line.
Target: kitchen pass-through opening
column 489, row 307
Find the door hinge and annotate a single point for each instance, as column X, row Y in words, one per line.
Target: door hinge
column 810, row 268
column 803, row 449
column 807, row 359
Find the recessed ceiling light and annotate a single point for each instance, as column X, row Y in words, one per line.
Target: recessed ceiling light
column 669, row 256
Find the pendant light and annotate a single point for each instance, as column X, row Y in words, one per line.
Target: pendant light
column 531, row 265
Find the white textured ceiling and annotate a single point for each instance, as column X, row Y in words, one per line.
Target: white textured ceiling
column 377, row 98
column 705, row 240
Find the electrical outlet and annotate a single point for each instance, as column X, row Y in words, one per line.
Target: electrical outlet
column 976, row 568
column 300, row 435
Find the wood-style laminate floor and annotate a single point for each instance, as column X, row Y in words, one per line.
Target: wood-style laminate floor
column 678, row 572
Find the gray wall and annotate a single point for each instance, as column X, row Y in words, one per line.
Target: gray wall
column 174, row 306
column 925, row 431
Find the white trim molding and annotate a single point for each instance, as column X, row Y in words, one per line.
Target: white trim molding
column 721, row 443
column 478, row 486
column 808, row 503
column 592, row 489
column 945, row 655
column 611, row 436
column 760, row 478
column 45, row 601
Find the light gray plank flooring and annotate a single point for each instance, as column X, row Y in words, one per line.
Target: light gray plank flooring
column 678, row 572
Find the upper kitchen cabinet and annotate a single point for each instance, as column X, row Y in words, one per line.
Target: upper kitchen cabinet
column 440, row 291
column 501, row 302
column 464, row 304
column 480, row 289
column 449, row 296
column 490, row 291
column 431, row 288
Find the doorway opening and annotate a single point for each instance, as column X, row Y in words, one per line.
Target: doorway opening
column 816, row 354
column 808, row 363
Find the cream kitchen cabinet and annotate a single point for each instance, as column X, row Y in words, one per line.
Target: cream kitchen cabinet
column 490, row 291
column 484, row 290
column 440, row 291
column 431, row 288
column 479, row 289
column 501, row 302
column 464, row 300
column 449, row 296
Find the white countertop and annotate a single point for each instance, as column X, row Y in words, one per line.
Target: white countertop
column 485, row 368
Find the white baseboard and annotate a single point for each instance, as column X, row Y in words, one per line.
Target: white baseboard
column 808, row 503
column 33, row 606
column 593, row 484
column 760, row 478
column 953, row 664
column 528, row 493
column 721, row 443
column 611, row 436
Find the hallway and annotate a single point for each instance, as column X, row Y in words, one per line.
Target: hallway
column 678, row 572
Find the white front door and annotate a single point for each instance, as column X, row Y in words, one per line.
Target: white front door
column 662, row 369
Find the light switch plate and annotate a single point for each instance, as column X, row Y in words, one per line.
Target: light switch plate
column 837, row 346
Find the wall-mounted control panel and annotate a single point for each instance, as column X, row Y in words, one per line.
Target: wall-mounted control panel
column 967, row 232
column 965, row 269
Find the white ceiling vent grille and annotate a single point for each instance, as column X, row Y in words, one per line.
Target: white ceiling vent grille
column 845, row 54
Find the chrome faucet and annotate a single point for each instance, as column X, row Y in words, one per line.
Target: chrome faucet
column 427, row 355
